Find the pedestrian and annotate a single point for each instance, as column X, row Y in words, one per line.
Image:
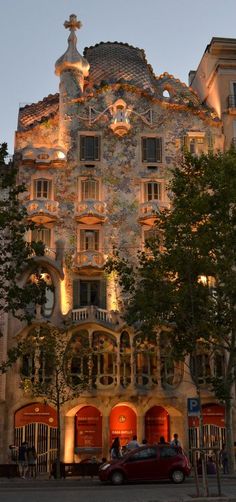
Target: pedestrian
column 32, row 461
column 224, row 459
column 23, row 459
column 133, row 443
column 116, row 449
column 175, row 443
column 162, row 441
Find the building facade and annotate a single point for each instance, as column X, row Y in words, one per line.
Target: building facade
column 96, row 159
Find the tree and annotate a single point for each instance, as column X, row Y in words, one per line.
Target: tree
column 47, row 357
column 187, row 280
column 16, row 254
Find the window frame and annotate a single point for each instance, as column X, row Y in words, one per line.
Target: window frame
column 81, row 190
column 145, row 159
column 82, row 155
column 36, row 191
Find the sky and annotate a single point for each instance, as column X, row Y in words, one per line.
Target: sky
column 173, row 33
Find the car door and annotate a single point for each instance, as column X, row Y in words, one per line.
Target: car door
column 142, row 465
column 167, row 460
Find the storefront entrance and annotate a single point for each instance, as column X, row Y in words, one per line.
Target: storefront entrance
column 157, row 424
column 37, row 424
column 88, row 431
column 123, row 424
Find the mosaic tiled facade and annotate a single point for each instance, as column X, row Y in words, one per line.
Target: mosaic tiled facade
column 96, row 159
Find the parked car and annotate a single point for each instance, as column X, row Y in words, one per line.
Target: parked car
column 147, row 463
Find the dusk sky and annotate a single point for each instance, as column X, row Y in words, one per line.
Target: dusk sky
column 173, row 33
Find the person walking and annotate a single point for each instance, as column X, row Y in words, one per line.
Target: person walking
column 133, row 443
column 32, row 462
column 23, row 459
column 175, row 443
column 116, row 449
column 224, row 459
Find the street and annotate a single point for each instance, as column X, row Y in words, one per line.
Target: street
column 87, row 490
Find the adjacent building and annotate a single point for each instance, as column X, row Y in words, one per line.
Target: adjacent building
column 96, row 159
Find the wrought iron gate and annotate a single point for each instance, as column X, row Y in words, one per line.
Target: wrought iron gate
column 44, row 438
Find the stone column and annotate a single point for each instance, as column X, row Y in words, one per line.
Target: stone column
column 106, row 436
column 68, row 443
column 140, row 428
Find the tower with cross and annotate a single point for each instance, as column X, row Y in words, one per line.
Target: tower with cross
column 72, row 68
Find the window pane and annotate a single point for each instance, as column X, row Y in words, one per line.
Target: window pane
column 89, row 189
column 89, row 148
column 42, row 235
column 151, row 149
column 42, row 189
column 89, row 293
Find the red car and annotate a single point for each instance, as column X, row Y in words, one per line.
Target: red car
column 147, row 463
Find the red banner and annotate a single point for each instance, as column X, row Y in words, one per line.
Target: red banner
column 36, row 412
column 213, row 414
column 156, row 424
column 88, row 428
column 123, row 424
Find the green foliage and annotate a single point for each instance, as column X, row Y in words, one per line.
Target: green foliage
column 195, row 238
column 16, row 254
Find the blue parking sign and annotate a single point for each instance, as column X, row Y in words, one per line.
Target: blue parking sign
column 193, row 406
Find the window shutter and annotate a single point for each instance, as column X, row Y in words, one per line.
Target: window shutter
column 158, row 149
column 144, row 149
column 96, row 148
column 76, row 299
column 103, row 295
column 82, row 147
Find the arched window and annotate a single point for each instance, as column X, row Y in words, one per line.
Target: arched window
column 36, row 362
column 78, row 358
column 206, row 364
column 145, row 361
column 166, row 94
column 171, row 370
column 47, row 307
column 104, row 359
column 125, row 359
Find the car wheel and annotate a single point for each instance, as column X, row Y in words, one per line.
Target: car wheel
column 177, row 476
column 117, row 478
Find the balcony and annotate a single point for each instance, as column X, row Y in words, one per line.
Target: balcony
column 89, row 259
column 42, row 210
column 148, row 211
column 93, row 313
column 91, row 211
column 232, row 104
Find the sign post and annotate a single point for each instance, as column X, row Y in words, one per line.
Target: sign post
column 193, row 406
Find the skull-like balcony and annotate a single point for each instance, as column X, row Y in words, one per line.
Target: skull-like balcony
column 148, row 211
column 91, row 212
column 42, row 210
column 89, row 260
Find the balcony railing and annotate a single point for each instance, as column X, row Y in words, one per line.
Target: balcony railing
column 93, row 313
column 42, row 210
column 148, row 210
column 91, row 211
column 232, row 101
column 93, row 259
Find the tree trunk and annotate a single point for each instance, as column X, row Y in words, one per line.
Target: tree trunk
column 229, row 435
column 58, row 464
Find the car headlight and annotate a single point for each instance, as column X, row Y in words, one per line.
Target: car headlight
column 104, row 467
